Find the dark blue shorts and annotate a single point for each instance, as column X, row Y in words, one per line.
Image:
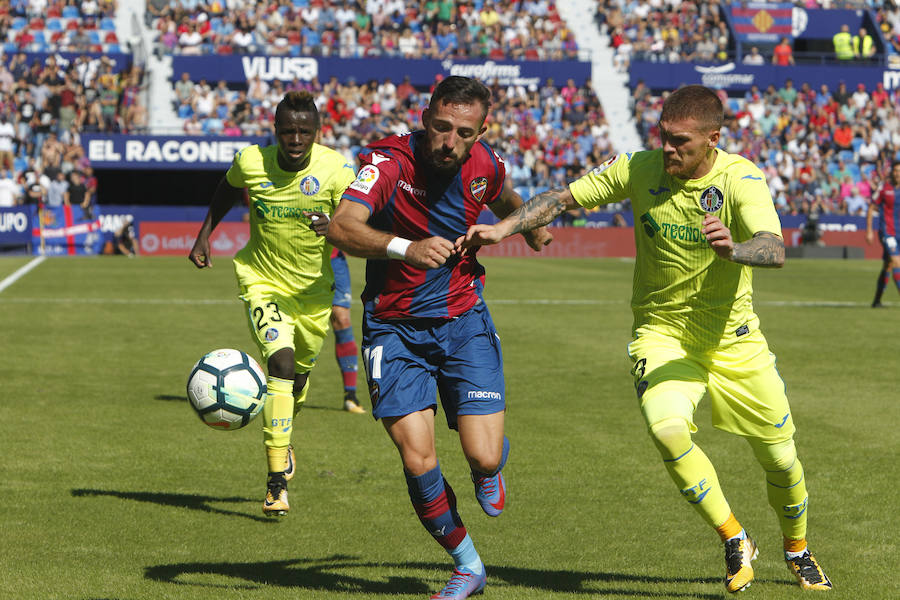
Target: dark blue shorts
column 342, row 293
column 408, row 363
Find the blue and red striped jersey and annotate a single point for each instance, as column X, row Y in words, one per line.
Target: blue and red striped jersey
column 890, row 217
column 412, row 202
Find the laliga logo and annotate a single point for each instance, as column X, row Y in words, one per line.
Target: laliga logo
column 13, row 221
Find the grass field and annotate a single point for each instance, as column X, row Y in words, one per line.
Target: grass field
column 111, row 488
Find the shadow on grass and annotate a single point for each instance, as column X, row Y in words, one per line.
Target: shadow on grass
column 192, row 501
column 171, row 397
column 324, row 574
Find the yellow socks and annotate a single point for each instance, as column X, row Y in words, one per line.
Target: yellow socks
column 278, row 417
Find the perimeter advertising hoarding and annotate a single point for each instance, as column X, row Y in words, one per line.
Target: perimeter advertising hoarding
column 166, row 152
column 736, row 77
column 240, row 69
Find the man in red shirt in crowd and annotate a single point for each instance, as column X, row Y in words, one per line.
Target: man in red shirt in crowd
column 783, row 55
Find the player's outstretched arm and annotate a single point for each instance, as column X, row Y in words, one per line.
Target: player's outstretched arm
column 537, row 212
column 223, row 199
column 764, row 249
column 508, row 201
column 349, row 231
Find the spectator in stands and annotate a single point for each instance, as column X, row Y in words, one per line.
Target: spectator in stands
column 10, row 192
column 7, row 137
column 58, row 192
column 843, row 44
column 783, row 54
column 863, row 45
column 34, row 194
column 79, row 195
column 754, row 57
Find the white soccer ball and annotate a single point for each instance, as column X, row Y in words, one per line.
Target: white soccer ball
column 227, row 388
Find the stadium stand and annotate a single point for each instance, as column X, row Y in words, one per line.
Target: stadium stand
column 822, row 149
column 529, row 30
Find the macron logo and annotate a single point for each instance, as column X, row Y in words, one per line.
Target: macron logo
column 481, row 394
column 405, row 186
column 378, row 158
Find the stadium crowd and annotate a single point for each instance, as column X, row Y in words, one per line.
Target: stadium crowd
column 547, row 134
column 45, row 106
column 58, row 26
column 823, row 151
column 528, row 29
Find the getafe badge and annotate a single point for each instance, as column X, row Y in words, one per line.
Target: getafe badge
column 478, row 187
column 309, row 185
column 712, row 199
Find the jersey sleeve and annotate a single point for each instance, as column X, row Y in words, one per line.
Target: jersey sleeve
column 755, row 209
column 375, row 181
column 604, row 184
column 236, row 173
column 344, row 176
column 499, row 180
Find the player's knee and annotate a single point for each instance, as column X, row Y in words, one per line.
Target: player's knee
column 281, row 364
column 777, row 457
column 340, row 318
column 417, row 463
column 672, row 437
column 300, row 380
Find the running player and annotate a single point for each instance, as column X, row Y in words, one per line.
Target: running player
column 426, row 329
column 344, row 342
column 888, row 232
column 284, row 272
column 704, row 217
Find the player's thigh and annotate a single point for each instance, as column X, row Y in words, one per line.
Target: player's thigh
column 310, row 331
column 471, row 380
column 891, row 253
column 747, row 393
column 669, row 381
column 401, row 381
column 270, row 317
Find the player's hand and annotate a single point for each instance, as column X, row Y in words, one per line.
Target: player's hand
column 538, row 238
column 318, row 221
column 429, row 253
column 478, row 235
column 870, row 236
column 718, row 236
column 200, row 253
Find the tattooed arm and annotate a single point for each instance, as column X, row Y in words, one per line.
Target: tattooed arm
column 537, row 212
column 764, row 249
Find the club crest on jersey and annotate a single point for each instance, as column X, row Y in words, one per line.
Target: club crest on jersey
column 271, row 334
column 309, row 185
column 365, row 179
column 610, row 162
column 478, row 187
column 712, row 199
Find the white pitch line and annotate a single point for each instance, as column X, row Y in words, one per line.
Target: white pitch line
column 21, row 271
column 508, row 302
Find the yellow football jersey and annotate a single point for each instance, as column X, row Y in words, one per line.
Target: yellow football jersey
column 283, row 251
column 681, row 288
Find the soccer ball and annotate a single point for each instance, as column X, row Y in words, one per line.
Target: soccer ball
column 227, row 388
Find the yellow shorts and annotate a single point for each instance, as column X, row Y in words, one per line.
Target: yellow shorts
column 747, row 393
column 278, row 321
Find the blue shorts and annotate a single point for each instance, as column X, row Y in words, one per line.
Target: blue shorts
column 409, row 362
column 889, row 247
column 342, row 293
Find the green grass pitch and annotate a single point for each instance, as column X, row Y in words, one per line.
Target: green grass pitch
column 112, row 489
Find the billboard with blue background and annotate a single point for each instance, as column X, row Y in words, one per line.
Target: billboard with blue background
column 240, row 69
column 117, row 151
